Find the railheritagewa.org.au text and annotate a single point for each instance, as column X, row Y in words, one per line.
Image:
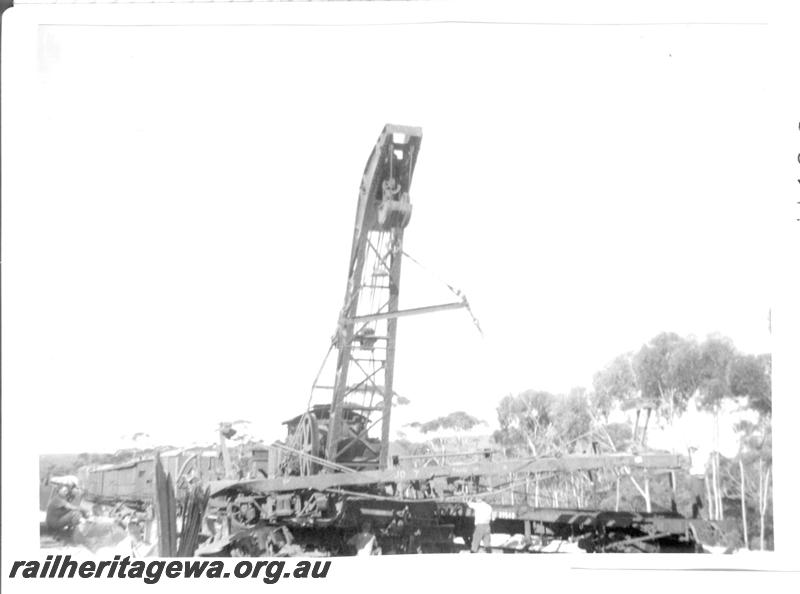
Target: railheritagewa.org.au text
column 151, row 571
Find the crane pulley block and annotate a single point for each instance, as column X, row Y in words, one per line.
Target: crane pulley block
column 395, row 212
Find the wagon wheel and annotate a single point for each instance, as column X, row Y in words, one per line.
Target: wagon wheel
column 308, row 430
column 309, row 443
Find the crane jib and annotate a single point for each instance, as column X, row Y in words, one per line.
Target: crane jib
column 371, row 304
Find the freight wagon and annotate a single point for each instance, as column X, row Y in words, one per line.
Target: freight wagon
column 133, row 482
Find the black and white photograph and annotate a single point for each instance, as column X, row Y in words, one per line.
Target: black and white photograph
column 343, row 279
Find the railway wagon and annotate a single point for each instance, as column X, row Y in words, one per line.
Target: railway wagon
column 133, row 482
column 130, row 482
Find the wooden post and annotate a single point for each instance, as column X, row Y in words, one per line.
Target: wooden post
column 172, row 515
column 165, row 512
column 744, row 505
column 527, row 525
column 721, row 506
column 527, row 489
column 673, row 491
column 644, row 430
column 616, row 503
column 718, row 513
column 710, row 502
column 574, row 489
column 763, row 495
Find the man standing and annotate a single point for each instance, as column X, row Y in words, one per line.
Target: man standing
column 483, row 516
column 697, row 481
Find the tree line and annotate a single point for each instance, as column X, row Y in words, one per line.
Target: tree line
column 663, row 379
column 665, row 376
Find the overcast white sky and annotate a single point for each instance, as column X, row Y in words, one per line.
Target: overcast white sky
column 179, row 222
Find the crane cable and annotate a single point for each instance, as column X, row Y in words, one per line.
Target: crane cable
column 371, row 298
column 319, row 373
column 457, row 292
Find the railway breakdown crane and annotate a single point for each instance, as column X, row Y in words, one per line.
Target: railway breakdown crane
column 336, row 436
column 330, row 474
column 334, row 469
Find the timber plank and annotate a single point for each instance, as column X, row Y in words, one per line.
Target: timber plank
column 484, row 468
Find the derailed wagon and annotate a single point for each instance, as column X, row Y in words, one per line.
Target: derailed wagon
column 423, row 510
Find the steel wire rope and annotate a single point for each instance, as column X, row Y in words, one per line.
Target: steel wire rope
column 319, row 373
column 457, row 292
